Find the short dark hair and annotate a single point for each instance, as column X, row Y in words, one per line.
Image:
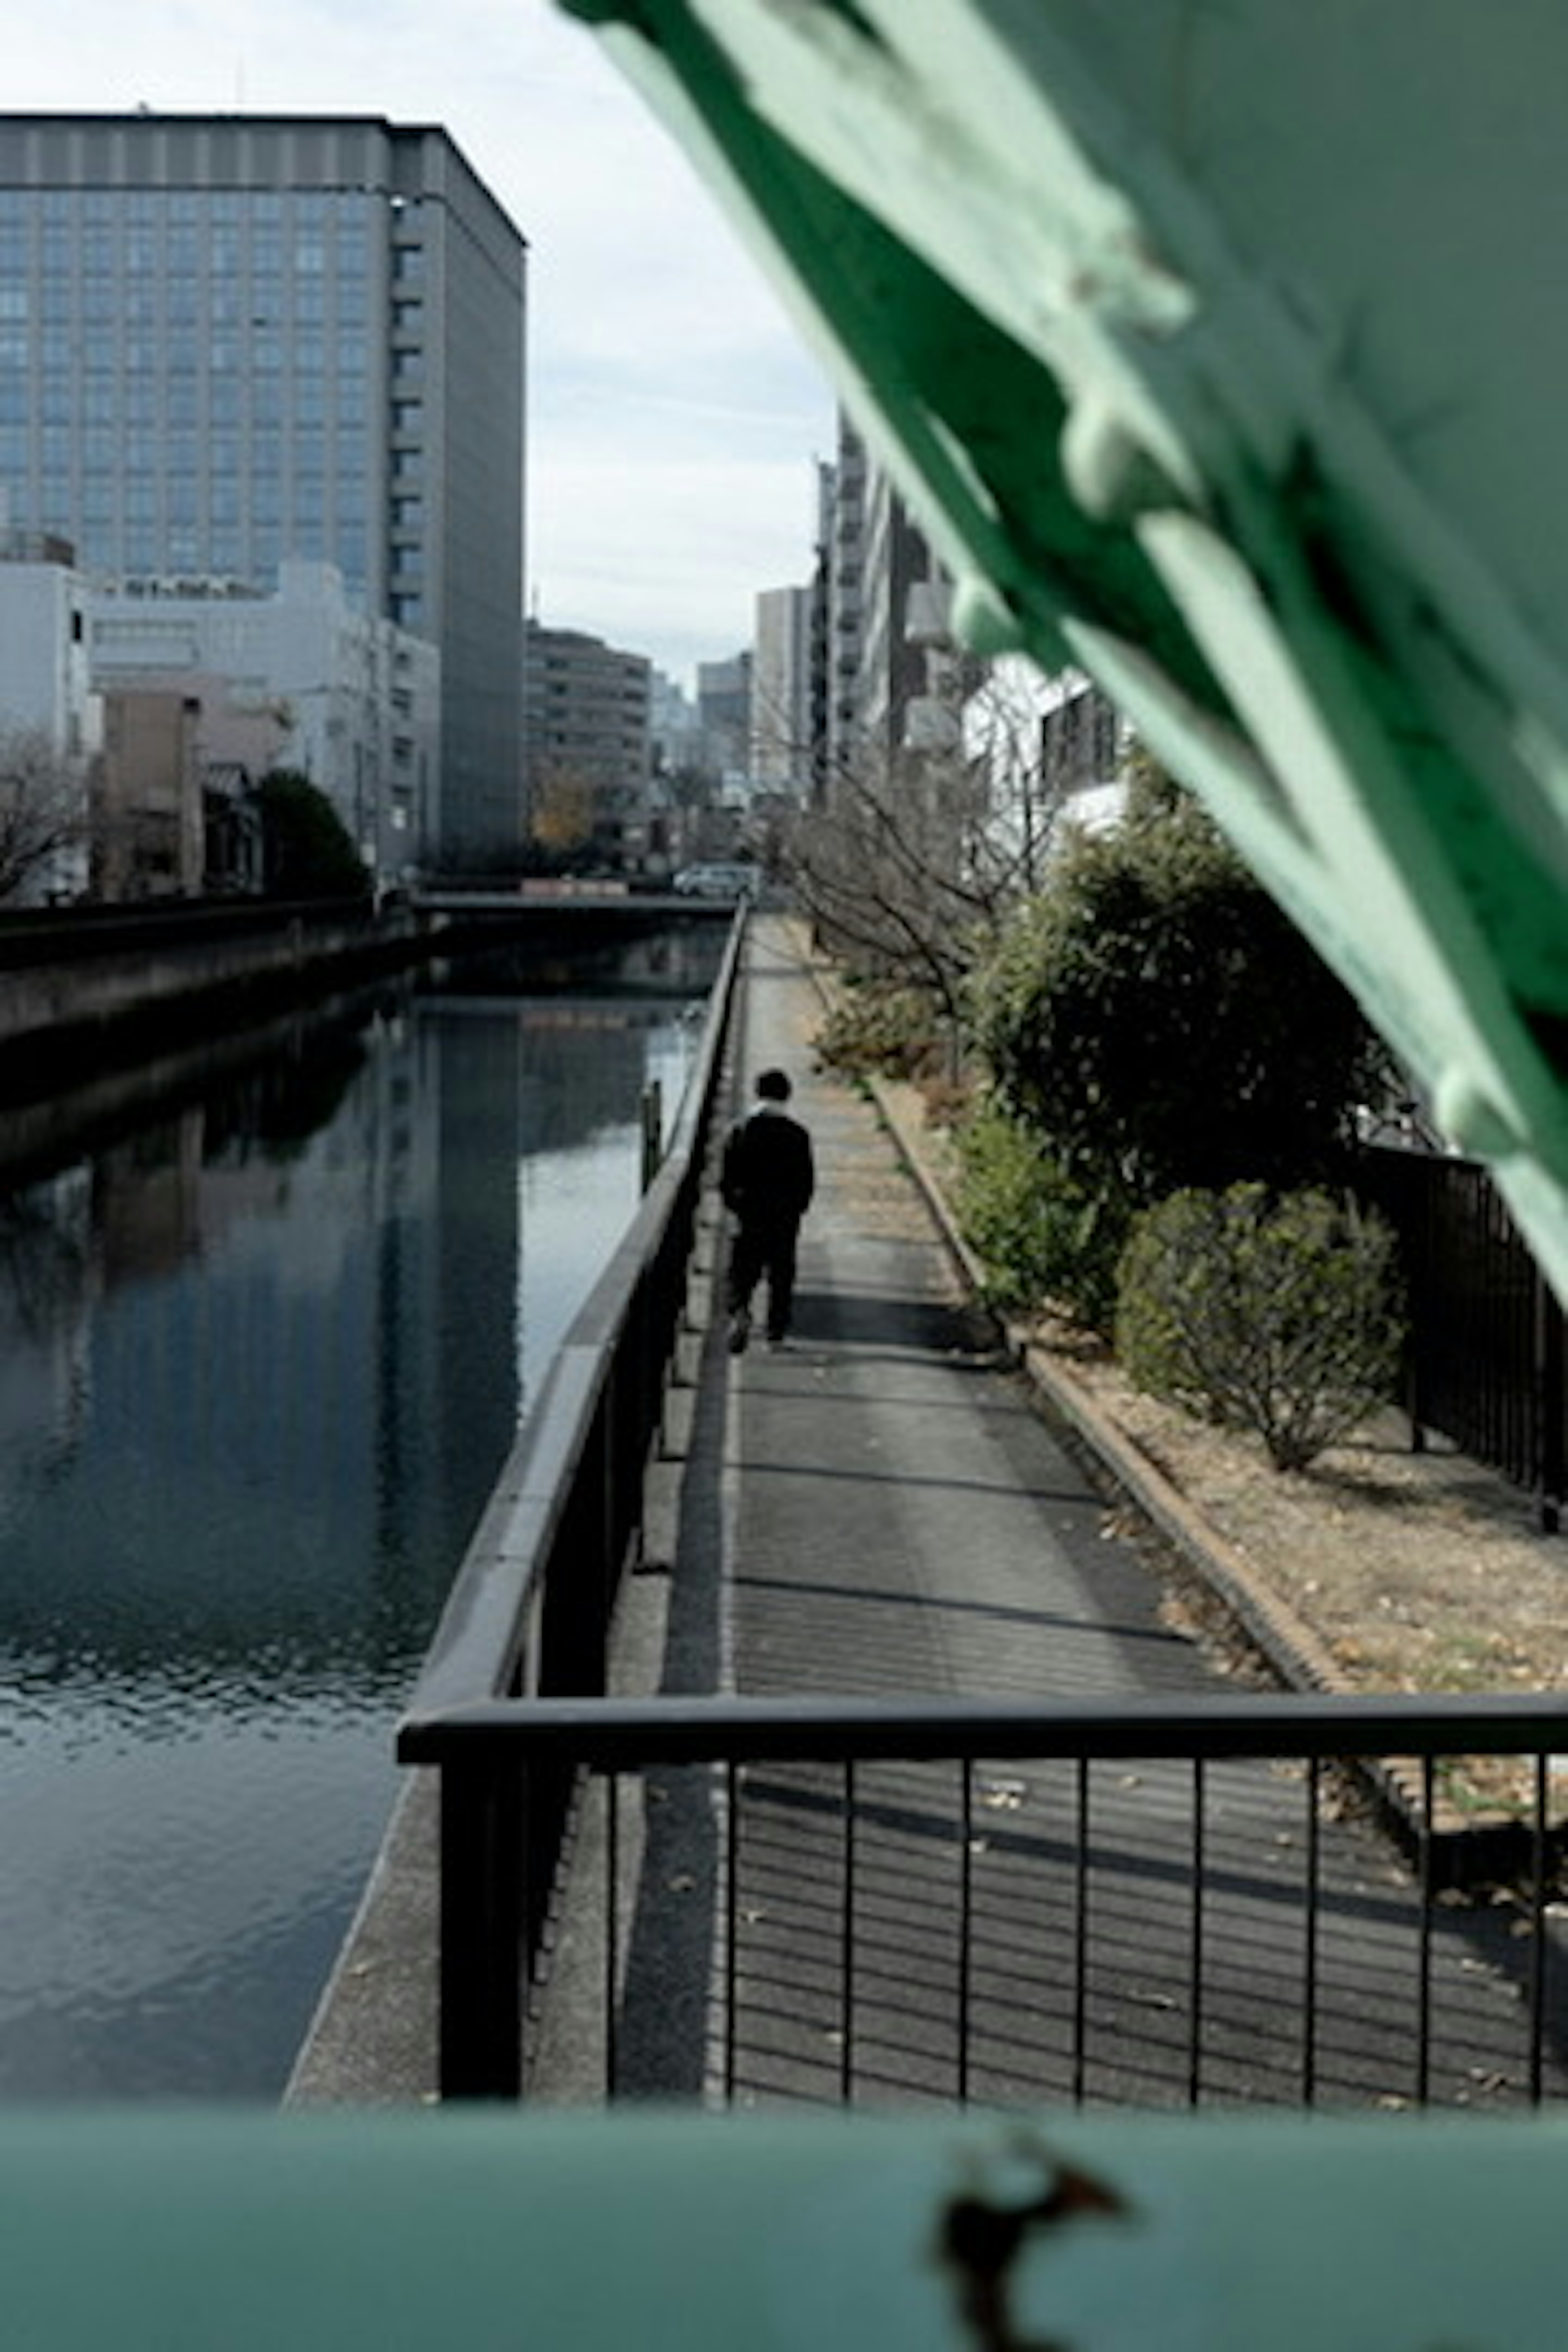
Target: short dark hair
column 774, row 1086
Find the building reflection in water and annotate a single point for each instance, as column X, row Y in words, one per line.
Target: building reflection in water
column 262, row 1358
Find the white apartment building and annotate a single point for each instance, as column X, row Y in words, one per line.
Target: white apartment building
column 890, row 681
column 353, row 703
column 51, row 722
column 1050, row 748
column 781, row 710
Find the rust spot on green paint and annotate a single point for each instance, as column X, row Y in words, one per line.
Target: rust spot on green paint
column 980, row 2239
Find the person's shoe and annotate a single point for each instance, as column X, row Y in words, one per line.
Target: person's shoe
column 778, row 1341
column 740, row 1331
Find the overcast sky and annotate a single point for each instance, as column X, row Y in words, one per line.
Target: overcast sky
column 674, row 415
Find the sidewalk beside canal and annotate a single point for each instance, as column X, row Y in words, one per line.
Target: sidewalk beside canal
column 884, row 1510
column 874, row 1511
column 896, row 1507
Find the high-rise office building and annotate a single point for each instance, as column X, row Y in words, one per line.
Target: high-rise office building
column 230, row 340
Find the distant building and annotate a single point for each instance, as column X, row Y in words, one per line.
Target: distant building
column 228, row 340
column 351, row 703
column 844, row 535
column 678, row 790
column 675, row 727
column 820, row 654
column 724, row 713
column 1051, row 748
column 44, row 680
column 781, row 701
column 149, row 835
column 50, row 719
column 589, row 731
column 895, row 558
column 985, row 757
column 887, row 682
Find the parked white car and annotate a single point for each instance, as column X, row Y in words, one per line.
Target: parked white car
column 719, row 880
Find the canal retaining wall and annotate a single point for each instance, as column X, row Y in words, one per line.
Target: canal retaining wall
column 75, row 995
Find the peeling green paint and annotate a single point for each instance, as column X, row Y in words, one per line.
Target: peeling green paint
column 1219, row 349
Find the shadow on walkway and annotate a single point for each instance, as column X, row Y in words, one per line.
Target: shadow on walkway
column 880, row 1510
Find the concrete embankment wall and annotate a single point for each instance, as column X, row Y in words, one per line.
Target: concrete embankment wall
column 93, row 1016
column 66, row 1003
column 82, row 989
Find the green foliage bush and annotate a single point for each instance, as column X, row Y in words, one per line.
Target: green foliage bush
column 1277, row 1314
column 877, row 1030
column 1039, row 1235
column 1161, row 1022
column 307, row 851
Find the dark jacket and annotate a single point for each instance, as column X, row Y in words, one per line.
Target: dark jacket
column 766, row 1175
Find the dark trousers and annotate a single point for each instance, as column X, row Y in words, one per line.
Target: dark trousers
column 765, row 1248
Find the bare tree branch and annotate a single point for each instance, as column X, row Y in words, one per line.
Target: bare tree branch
column 909, row 864
column 43, row 810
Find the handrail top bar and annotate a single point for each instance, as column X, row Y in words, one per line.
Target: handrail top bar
column 688, row 1730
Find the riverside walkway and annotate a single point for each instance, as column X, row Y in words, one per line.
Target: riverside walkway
column 883, row 1511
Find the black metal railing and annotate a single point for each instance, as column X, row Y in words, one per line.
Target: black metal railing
column 530, row 1608
column 1486, row 1353
column 1272, row 1898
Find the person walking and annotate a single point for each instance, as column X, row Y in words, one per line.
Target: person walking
column 766, row 1178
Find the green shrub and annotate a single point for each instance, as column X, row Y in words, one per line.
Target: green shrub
column 1040, row 1236
column 1277, row 1314
column 307, row 851
column 1163, row 1024
column 875, row 1029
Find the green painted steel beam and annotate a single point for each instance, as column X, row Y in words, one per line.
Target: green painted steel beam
column 1217, row 344
column 225, row 2231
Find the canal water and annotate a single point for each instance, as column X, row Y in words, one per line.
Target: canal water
column 263, row 1348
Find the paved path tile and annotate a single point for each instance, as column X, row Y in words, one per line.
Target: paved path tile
column 882, row 1511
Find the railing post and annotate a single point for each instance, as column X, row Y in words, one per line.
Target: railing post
column 1548, row 1326
column 1418, row 1341
column 481, row 1962
column 652, row 1117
